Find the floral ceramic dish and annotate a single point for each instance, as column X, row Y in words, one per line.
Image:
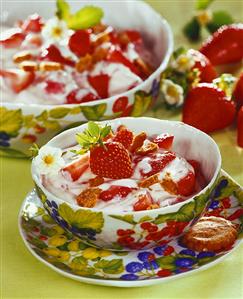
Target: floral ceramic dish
column 23, row 124
column 67, row 255
column 108, row 228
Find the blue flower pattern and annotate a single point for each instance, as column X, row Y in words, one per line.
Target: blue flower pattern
column 80, row 232
column 4, row 139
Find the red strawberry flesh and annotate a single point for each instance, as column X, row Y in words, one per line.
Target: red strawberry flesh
column 12, row 38
column 101, row 84
column 202, row 63
column 77, row 168
column 111, row 160
column 159, row 162
column 225, row 45
column 164, row 141
column 208, row 109
column 80, row 43
column 114, row 191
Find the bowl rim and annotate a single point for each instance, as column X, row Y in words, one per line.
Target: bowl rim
column 170, row 45
column 165, row 209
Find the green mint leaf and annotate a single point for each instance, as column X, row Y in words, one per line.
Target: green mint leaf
column 105, row 131
column 63, row 10
column 80, row 152
column 192, row 30
column 82, row 138
column 203, row 4
column 93, row 129
column 86, row 17
column 219, row 19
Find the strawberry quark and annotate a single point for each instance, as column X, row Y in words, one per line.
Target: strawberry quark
column 44, row 62
column 159, row 178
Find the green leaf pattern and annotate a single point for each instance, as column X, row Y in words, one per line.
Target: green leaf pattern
column 82, row 218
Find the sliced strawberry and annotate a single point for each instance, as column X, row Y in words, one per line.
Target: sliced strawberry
column 35, row 40
column 238, row 92
column 186, row 185
column 54, row 87
column 101, row 84
column 74, row 98
column 240, row 127
column 207, row 108
column 117, row 57
column 12, row 38
column 80, row 43
column 195, row 164
column 159, row 162
column 18, row 79
column 119, row 191
column 134, row 36
column 77, row 168
column 52, row 53
column 164, row 141
column 225, row 45
column 33, row 23
column 207, row 70
column 143, row 203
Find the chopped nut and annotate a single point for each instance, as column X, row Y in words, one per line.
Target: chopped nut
column 147, row 148
column 149, row 181
column 22, row 56
column 84, row 63
column 99, row 28
column 96, row 181
column 123, row 38
column 29, row 66
column 99, row 55
column 169, row 185
column 102, row 37
column 88, row 197
column 153, row 206
column 138, row 141
column 50, row 66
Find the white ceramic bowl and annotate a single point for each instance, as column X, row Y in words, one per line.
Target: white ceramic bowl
column 101, row 228
column 48, row 120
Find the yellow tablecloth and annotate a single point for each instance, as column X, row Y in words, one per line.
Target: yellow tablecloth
column 22, row 276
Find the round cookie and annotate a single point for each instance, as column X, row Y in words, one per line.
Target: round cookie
column 210, row 234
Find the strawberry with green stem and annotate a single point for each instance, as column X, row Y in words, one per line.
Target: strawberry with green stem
column 108, row 159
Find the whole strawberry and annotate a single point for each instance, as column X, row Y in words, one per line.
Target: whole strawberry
column 202, row 63
column 225, row 45
column 108, row 159
column 208, row 108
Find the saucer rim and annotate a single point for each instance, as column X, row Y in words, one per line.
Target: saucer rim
column 110, row 282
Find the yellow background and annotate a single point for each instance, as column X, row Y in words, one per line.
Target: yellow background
column 22, row 276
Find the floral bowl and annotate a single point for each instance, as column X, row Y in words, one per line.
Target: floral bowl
column 23, row 124
column 139, row 229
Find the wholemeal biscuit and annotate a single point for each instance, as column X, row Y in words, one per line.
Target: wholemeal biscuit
column 210, row 234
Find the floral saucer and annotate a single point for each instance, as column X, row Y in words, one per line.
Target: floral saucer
column 67, row 255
